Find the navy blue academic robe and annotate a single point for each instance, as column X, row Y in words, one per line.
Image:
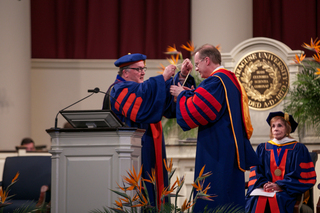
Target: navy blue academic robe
column 142, row 105
column 217, row 108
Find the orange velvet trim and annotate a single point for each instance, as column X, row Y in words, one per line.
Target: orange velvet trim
column 129, row 63
column 120, row 98
column 128, row 103
column 306, row 165
column 156, row 129
column 261, row 204
column 212, row 100
column 312, row 181
column 251, row 182
column 274, row 207
column 185, row 115
column 245, row 111
column 135, row 109
column 204, row 107
column 195, row 112
column 282, row 166
column 308, row 175
column 252, row 173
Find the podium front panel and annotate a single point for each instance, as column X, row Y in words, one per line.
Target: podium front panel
column 88, row 163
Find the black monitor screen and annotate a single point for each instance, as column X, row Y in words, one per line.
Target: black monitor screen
column 92, row 118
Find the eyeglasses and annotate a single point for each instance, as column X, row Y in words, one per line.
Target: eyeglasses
column 197, row 64
column 139, row 69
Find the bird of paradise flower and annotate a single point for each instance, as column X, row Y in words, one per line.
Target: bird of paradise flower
column 314, row 63
column 176, row 58
column 4, row 193
column 303, row 98
column 134, row 182
column 313, row 46
column 175, row 55
column 298, row 60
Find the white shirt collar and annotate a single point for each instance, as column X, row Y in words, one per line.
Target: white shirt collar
column 283, row 140
column 220, row 67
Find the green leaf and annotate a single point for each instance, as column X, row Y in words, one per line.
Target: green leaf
column 121, row 193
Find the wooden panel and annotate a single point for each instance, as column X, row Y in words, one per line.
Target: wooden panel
column 87, row 176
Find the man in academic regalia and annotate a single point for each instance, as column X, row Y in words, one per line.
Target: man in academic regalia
column 142, row 104
column 219, row 108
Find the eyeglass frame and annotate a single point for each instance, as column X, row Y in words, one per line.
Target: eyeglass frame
column 138, row 69
column 197, row 64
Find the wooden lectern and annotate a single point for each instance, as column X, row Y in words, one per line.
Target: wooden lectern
column 88, row 162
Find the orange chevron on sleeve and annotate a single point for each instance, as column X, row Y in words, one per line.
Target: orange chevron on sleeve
column 306, row 165
column 312, row 181
column 252, row 173
column 204, row 107
column 308, row 175
column 194, row 112
column 212, row 100
column 128, row 103
column 251, row 182
column 120, row 98
column 185, row 115
column 135, row 109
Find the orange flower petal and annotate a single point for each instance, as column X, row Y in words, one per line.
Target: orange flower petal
column 298, row 59
column 189, row 47
column 15, row 177
column 316, row 57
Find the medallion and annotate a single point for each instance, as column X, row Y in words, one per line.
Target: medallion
column 265, row 77
column 277, row 172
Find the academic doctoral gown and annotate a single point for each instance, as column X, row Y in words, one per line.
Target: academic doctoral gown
column 298, row 175
column 218, row 108
column 143, row 105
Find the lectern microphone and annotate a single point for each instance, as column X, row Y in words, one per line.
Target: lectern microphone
column 95, row 90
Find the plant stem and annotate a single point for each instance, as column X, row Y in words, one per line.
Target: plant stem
column 175, row 203
column 191, row 193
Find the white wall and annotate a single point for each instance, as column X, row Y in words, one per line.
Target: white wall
column 15, row 122
column 224, row 22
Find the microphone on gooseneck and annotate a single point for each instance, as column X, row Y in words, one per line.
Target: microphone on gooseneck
column 95, row 90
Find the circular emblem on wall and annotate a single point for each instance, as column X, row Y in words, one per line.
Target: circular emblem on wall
column 265, row 77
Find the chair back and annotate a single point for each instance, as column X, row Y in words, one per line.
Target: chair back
column 35, row 171
column 314, row 157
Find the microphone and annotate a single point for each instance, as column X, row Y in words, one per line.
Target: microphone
column 95, row 90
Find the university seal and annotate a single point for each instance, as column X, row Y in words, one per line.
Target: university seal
column 265, row 77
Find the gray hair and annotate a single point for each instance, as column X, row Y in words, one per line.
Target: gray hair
column 121, row 70
column 208, row 50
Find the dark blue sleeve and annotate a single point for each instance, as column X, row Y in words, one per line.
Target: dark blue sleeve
column 301, row 175
column 140, row 102
column 202, row 105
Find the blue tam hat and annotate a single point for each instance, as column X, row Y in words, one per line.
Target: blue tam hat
column 286, row 117
column 126, row 60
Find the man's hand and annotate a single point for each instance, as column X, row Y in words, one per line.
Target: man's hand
column 186, row 67
column 187, row 88
column 169, row 72
column 176, row 90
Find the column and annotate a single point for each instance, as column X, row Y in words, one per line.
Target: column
column 15, row 54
